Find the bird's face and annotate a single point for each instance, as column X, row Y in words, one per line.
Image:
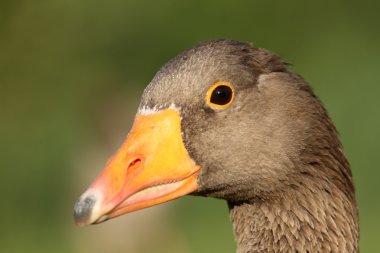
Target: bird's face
column 208, row 124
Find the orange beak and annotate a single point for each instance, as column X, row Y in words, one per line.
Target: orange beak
column 151, row 167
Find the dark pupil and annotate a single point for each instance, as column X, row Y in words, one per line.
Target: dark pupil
column 221, row 95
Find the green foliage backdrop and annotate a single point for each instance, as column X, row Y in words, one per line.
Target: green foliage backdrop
column 71, row 73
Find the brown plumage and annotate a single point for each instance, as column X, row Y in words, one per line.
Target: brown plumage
column 274, row 155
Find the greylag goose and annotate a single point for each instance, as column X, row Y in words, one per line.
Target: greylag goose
column 228, row 120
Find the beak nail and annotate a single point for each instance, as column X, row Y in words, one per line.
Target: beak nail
column 83, row 209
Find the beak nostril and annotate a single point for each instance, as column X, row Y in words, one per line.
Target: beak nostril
column 138, row 160
column 134, row 164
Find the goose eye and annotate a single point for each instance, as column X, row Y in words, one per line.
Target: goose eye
column 220, row 95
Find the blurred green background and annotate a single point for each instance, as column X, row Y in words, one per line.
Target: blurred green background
column 71, row 75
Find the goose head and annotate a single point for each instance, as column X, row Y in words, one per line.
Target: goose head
column 223, row 119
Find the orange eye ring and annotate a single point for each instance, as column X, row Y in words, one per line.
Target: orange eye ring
column 220, row 95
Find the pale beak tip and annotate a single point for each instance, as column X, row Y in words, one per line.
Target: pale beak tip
column 83, row 210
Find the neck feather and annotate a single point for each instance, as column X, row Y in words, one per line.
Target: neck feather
column 306, row 217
